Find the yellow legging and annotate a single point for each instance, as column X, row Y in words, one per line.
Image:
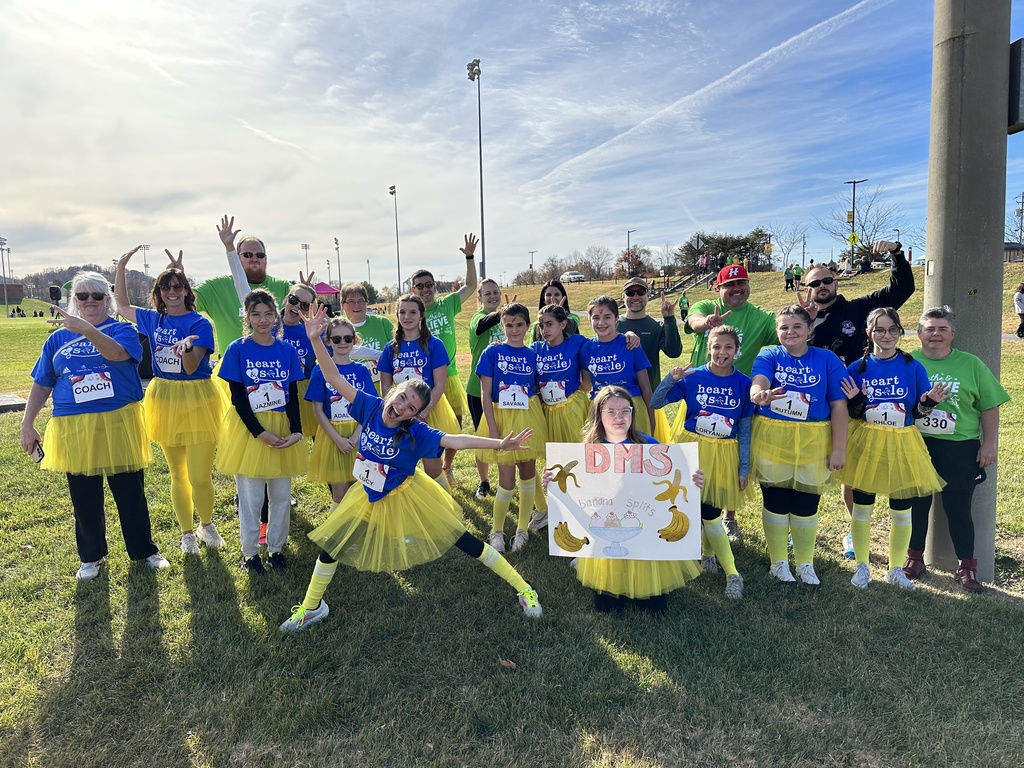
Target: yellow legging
column 191, row 468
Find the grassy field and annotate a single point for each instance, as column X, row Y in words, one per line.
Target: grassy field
column 437, row 666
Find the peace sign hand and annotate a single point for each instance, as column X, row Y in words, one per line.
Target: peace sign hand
column 174, row 263
column 806, row 302
column 715, row 319
column 307, row 281
column 680, row 372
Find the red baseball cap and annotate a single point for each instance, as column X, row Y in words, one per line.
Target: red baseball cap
column 731, row 273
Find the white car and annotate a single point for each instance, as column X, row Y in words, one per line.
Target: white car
column 572, row 277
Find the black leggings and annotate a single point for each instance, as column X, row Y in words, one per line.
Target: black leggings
column 708, row 512
column 467, row 542
column 868, row 499
column 476, row 409
column 788, row 501
column 956, row 461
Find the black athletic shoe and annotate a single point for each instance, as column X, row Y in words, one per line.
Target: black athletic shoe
column 253, row 565
column 276, row 562
column 483, row 490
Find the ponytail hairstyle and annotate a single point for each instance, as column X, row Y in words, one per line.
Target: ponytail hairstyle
column 424, row 339
column 557, row 312
column 261, row 296
column 873, row 316
column 593, row 430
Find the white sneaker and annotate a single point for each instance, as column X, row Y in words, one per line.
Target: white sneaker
column 709, row 564
column 734, row 586
column 89, row 571
column 861, row 576
column 157, row 562
column 497, row 541
column 897, row 577
column 519, row 540
column 530, row 603
column 189, row 544
column 780, row 571
column 303, row 617
column 210, row 536
column 538, row 521
column 805, row 573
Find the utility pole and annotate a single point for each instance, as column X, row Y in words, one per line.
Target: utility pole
column 337, row 253
column 3, row 270
column 305, row 247
column 803, row 252
column 1020, row 218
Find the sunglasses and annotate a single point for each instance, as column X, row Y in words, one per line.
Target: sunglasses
column 96, row 295
column 423, row 286
column 296, row 301
column 172, row 287
column 253, row 255
column 823, row 281
column 346, row 338
column 635, row 292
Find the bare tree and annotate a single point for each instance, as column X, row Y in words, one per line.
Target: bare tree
column 874, row 219
column 598, row 260
column 785, row 239
column 551, row 268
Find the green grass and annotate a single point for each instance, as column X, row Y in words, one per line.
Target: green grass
column 185, row 667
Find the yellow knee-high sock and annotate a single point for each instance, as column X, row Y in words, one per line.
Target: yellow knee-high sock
column 713, row 532
column 503, row 568
column 540, row 501
column 776, row 535
column 527, row 493
column 804, row 530
column 502, row 497
column 860, row 528
column 705, row 545
column 899, row 536
column 442, row 480
column 322, row 575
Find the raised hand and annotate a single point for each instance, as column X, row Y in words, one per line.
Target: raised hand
column 470, row 246
column 884, row 246
column 173, row 263
column 315, row 322
column 716, row 319
column 667, row 307
column 850, row 388
column 512, row 300
column 73, row 323
column 123, row 261
column 308, row 281
column 939, row 392
column 681, row 371
column 805, row 301
column 227, row 233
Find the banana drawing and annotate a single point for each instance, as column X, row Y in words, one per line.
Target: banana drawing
column 675, row 485
column 562, row 476
column 565, row 539
column 677, row 529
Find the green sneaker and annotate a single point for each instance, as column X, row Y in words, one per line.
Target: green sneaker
column 303, row 617
column 530, row 603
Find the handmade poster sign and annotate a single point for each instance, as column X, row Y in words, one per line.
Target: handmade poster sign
column 637, row 502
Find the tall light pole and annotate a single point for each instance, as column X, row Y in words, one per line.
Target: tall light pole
column 3, row 271
column 328, row 271
column 853, row 220
column 368, row 279
column 337, row 252
column 145, row 258
column 393, row 191
column 473, row 70
column 305, row 247
column 628, row 262
column 897, row 235
column 531, row 259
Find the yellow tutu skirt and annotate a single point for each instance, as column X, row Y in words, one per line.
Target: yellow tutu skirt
column 415, row 523
column 456, row 394
column 98, row 443
column 678, row 429
column 662, row 431
column 565, row 420
column 641, row 420
column 443, row 418
column 309, row 422
column 720, row 460
column 889, row 460
column 791, row 454
column 635, row 578
column 184, row 412
column 515, row 421
column 327, row 464
column 239, row 453
column 222, row 384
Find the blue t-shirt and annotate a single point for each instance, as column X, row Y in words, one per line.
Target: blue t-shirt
column 272, row 367
column 319, row 391
column 83, row 381
column 296, row 336
column 509, row 367
column 560, row 366
column 898, row 381
column 164, row 331
column 378, row 446
column 609, row 362
column 811, row 381
column 412, row 361
column 707, row 394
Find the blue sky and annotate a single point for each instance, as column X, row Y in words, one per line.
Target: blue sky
column 125, row 123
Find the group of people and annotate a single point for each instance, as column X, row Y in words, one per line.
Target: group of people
column 379, row 399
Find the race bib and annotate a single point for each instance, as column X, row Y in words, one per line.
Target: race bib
column 339, row 409
column 266, row 397
column 404, row 374
column 370, row 473
column 165, row 359
column 553, row 392
column 92, row 386
column 514, row 397
column 886, row 415
column 937, row 423
column 371, row 366
column 794, row 405
column 714, row 425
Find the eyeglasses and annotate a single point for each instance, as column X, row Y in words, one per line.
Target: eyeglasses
column 356, row 302
column 295, row 301
column 885, row 331
column 346, row 338
column 823, row 281
column 635, row 292
column 172, row 287
column 423, row 286
column 619, row 414
column 84, row 295
column 260, row 316
column 253, row 255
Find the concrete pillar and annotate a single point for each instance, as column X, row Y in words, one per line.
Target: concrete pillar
column 966, row 206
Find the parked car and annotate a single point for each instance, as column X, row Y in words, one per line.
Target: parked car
column 572, row 277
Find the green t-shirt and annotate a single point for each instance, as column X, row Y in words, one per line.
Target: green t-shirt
column 797, row 271
column 477, row 344
column 441, row 322
column 684, row 304
column 374, row 333
column 756, row 327
column 975, row 389
column 217, row 298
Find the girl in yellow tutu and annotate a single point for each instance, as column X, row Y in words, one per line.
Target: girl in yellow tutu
column 618, row 582
column 396, row 517
column 415, row 354
column 262, row 443
column 184, row 407
column 508, row 392
column 888, row 390
column 798, row 439
column 300, row 297
column 718, row 414
column 334, row 452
